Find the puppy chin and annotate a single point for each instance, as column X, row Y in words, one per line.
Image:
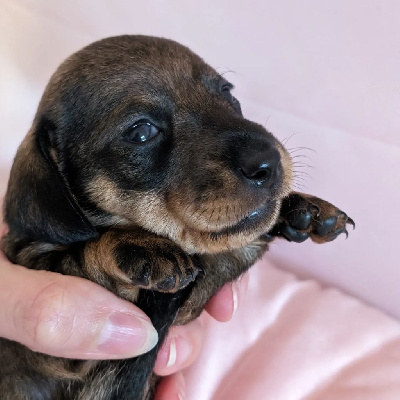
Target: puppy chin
column 252, row 221
column 232, row 237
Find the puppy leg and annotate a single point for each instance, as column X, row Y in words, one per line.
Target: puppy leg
column 304, row 216
column 140, row 259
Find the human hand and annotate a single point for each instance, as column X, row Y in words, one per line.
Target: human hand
column 71, row 317
column 67, row 316
column 183, row 343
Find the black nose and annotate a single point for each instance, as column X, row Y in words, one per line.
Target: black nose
column 261, row 167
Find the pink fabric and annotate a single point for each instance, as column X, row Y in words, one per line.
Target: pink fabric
column 292, row 340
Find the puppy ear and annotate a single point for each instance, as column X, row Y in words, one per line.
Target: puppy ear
column 39, row 204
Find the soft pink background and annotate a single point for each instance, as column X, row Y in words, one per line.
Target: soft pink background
column 326, row 72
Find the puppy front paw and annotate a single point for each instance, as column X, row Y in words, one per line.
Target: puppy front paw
column 156, row 264
column 303, row 216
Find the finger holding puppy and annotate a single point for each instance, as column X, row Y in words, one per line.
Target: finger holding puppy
column 69, row 317
column 43, row 310
column 183, row 343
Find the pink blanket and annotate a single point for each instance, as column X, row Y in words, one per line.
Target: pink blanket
column 293, row 340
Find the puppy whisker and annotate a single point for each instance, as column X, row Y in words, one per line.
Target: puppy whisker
column 295, row 149
column 300, row 186
column 300, row 164
column 286, row 140
column 301, row 172
column 301, row 178
column 301, row 156
column 227, row 71
column 266, row 121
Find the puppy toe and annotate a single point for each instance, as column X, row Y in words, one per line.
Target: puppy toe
column 293, row 235
column 326, row 226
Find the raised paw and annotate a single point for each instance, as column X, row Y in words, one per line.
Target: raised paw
column 156, row 263
column 303, row 216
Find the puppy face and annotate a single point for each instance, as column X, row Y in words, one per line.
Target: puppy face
column 142, row 132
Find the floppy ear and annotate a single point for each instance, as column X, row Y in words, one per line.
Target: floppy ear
column 39, row 204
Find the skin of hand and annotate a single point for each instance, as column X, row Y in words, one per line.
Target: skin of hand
column 71, row 317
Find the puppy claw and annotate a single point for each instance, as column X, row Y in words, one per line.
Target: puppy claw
column 171, row 277
column 190, row 277
column 351, row 222
column 200, row 271
column 315, row 210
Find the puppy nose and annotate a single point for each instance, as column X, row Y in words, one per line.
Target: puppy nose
column 261, row 167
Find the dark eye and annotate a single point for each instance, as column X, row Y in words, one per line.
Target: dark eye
column 141, row 132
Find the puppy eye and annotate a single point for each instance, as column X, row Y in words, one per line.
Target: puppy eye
column 141, row 132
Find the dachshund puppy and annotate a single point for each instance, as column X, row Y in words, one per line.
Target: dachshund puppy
column 140, row 173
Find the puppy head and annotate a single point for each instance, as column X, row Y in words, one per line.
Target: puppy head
column 139, row 131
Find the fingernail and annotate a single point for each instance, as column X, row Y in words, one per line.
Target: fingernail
column 127, row 334
column 172, row 353
column 235, row 297
column 179, row 350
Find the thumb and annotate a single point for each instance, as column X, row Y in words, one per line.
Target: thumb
column 70, row 317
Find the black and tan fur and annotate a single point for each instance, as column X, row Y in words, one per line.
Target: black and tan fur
column 163, row 223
